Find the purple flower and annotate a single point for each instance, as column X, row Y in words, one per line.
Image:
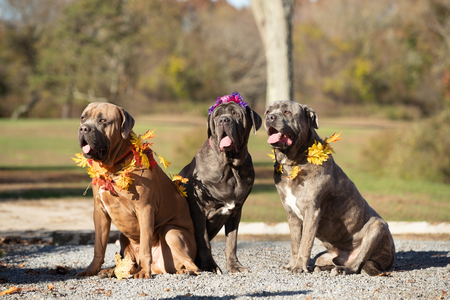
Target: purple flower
column 234, row 97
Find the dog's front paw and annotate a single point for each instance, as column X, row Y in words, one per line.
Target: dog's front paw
column 298, row 270
column 237, row 268
column 341, row 271
column 142, row 274
column 87, row 272
column 211, row 266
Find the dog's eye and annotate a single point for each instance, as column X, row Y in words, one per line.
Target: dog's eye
column 82, row 118
column 286, row 112
column 103, row 121
column 234, row 113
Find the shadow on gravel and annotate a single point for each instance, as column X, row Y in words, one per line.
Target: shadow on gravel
column 254, row 295
column 417, row 260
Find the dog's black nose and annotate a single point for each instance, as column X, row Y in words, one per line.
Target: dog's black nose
column 84, row 129
column 224, row 120
column 271, row 117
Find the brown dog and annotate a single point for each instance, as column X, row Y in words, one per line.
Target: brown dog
column 322, row 201
column 153, row 218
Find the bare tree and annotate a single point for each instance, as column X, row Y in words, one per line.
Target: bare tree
column 273, row 19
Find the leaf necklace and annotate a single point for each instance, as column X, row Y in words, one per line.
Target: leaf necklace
column 317, row 154
column 142, row 157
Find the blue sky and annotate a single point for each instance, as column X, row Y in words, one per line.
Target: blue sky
column 239, row 3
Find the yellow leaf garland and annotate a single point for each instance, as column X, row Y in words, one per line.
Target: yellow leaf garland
column 179, row 180
column 279, row 168
column 317, row 154
column 142, row 156
column 81, row 160
column 272, row 156
column 294, row 172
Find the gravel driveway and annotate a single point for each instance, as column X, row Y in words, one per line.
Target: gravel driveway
column 421, row 270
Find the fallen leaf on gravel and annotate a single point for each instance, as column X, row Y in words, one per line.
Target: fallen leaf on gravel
column 188, row 295
column 50, row 287
column 167, row 289
column 11, row 290
column 443, row 294
column 383, row 274
column 143, row 294
column 108, row 294
column 123, row 266
column 22, row 264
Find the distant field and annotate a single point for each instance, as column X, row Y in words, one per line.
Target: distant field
column 35, row 163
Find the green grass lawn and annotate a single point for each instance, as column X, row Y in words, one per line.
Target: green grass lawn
column 35, row 162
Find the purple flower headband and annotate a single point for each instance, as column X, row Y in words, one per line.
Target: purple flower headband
column 234, row 97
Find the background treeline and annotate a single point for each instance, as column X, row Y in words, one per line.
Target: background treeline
column 386, row 57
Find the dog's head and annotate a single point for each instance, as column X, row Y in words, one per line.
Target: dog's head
column 104, row 128
column 289, row 125
column 229, row 127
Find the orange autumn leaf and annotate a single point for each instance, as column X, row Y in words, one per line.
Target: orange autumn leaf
column 335, row 138
column 148, row 135
column 177, row 177
column 11, row 290
column 164, row 162
column 443, row 294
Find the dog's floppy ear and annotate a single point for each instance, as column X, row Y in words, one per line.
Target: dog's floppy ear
column 127, row 123
column 312, row 116
column 256, row 119
column 208, row 126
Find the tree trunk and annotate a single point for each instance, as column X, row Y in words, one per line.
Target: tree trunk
column 273, row 19
column 24, row 109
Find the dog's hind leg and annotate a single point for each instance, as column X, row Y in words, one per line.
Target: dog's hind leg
column 324, row 261
column 183, row 251
column 374, row 254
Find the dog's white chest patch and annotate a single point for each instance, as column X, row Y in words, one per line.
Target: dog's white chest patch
column 100, row 192
column 227, row 208
column 291, row 201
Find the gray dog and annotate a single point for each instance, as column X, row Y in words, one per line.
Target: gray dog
column 323, row 202
column 221, row 176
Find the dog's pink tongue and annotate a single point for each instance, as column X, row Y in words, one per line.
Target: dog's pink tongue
column 274, row 138
column 86, row 149
column 225, row 142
